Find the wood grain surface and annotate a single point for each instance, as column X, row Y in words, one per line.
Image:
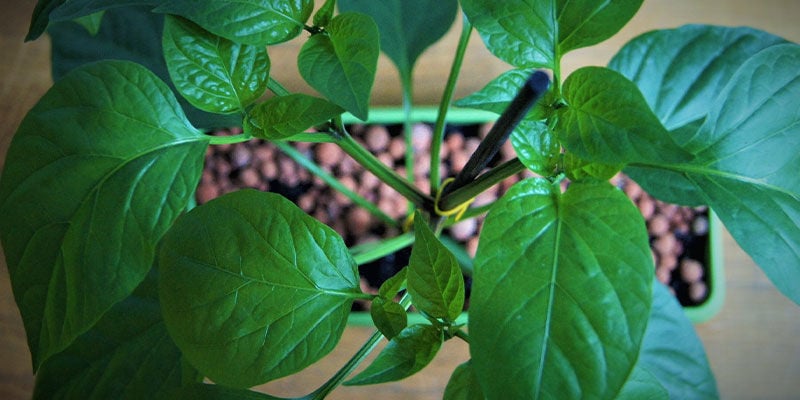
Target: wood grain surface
column 753, row 343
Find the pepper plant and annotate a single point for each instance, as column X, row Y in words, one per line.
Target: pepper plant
column 127, row 290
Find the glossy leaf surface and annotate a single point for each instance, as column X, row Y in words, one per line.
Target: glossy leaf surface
column 536, row 34
column 498, row 93
column 126, row 33
column 97, row 172
column 673, row 353
column 407, row 27
column 536, row 146
column 341, row 64
column 128, row 354
column 264, row 294
column 389, row 317
column 284, row 116
column 561, row 292
column 213, row 73
column 434, row 277
column 643, row 385
column 405, row 355
column 255, row 22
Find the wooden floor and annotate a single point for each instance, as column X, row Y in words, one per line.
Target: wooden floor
column 753, row 343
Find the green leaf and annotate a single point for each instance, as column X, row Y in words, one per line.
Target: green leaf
column 213, row 73
column 341, row 64
column 498, row 93
column 535, row 34
column 463, row 384
column 434, row 277
column 672, row 352
column 561, row 292
column 390, row 287
column 263, row 295
column 405, row 355
column 41, row 17
column 254, row 22
column 643, row 385
column 48, row 11
column 203, row 391
column 681, row 71
column 389, row 317
column 608, row 121
column 746, row 162
column 129, row 33
column 324, row 15
column 407, row 27
column 91, row 22
column 579, row 169
column 536, row 146
column 128, row 354
column 584, row 23
column 97, row 172
column 283, row 116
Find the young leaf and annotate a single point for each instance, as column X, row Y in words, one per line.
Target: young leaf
column 91, row 22
column 390, row 287
column 254, row 22
column 463, row 384
column 434, row 277
column 97, row 172
column 681, row 71
column 672, row 352
column 324, row 15
column 608, row 121
column 389, row 317
column 263, row 295
column 498, row 93
column 407, row 27
column 213, row 73
column 561, row 291
column 128, row 354
column 341, row 64
column 284, row 116
column 536, row 146
column 535, row 34
column 405, row 355
column 579, row 169
column 643, row 385
column 127, row 33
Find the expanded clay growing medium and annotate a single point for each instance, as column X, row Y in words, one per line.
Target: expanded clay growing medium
column 679, row 236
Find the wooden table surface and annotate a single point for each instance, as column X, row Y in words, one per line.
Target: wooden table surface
column 753, row 343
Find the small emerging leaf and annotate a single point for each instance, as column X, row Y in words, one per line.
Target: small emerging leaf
column 405, row 355
column 390, row 287
column 284, row 116
column 498, row 93
column 263, row 295
column 213, row 73
column 434, row 277
column 389, row 317
column 342, row 63
column 91, row 22
column 536, row 146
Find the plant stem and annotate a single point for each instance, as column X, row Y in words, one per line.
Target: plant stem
column 406, row 78
column 529, row 93
column 444, row 105
column 483, row 182
column 333, row 182
column 217, row 140
column 384, row 173
column 462, row 335
column 276, row 87
column 369, row 252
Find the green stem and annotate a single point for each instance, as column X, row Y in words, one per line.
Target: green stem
column 369, row 252
column 444, row 105
column 217, row 140
column 483, row 182
column 333, row 182
column 383, row 172
column 406, row 78
column 276, row 87
column 462, row 335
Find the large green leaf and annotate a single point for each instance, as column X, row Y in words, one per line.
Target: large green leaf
column 607, row 120
column 128, row 33
column 262, row 295
column 211, row 72
column 463, row 384
column 643, row 385
column 128, row 354
column 434, row 277
column 205, row 391
column 97, row 172
column 536, row 33
column 256, row 22
column 405, row 355
column 407, row 27
column 672, row 352
column 498, row 93
column 342, row 63
column 561, row 292
column 284, row 116
column 681, row 71
column 48, row 11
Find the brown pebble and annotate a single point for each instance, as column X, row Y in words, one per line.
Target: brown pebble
column 250, row 177
column 633, row 190
column 397, row 148
column 421, row 135
column 665, row 244
column 263, row 153
column 240, row 156
column 328, row 154
column 647, row 207
column 269, row 170
column 454, row 142
column 664, row 275
column 386, row 159
column 463, row 230
column 458, row 161
column 358, row 221
column 698, row 291
column 700, row 225
column 207, row 192
column 472, row 246
column 377, row 138
column 668, row 262
column 691, row 270
column 658, row 225
column 307, row 201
